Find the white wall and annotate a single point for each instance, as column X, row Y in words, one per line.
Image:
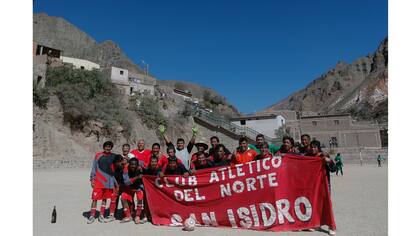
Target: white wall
column 117, row 77
column 142, row 88
column 264, row 126
column 140, row 83
column 78, row 63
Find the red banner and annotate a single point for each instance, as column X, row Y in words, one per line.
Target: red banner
column 277, row 194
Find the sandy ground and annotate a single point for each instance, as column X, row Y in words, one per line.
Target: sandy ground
column 360, row 203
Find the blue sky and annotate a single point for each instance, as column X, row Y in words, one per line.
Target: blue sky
column 254, row 53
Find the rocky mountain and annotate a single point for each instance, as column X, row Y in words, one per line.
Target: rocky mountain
column 58, row 33
column 359, row 88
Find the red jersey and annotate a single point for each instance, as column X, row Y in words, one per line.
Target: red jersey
column 143, row 155
column 244, row 157
column 163, row 161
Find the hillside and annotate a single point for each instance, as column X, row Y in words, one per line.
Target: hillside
column 360, row 88
column 60, row 143
column 211, row 100
column 58, row 33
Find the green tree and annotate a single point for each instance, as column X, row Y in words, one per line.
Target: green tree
column 87, row 95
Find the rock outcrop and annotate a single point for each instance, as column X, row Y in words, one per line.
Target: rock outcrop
column 360, row 88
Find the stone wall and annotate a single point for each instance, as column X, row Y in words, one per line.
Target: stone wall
column 352, row 155
column 52, row 164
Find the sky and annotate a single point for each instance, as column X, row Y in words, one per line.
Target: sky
column 254, row 53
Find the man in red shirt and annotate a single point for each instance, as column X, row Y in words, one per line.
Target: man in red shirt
column 142, row 154
column 162, row 159
column 243, row 154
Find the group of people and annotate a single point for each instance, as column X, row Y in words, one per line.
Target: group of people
column 115, row 176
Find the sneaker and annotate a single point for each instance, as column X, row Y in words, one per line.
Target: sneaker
column 331, row 232
column 101, row 219
column 91, row 219
column 125, row 220
column 110, row 218
column 311, row 230
column 144, row 220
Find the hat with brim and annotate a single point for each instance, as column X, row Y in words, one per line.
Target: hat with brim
column 202, row 145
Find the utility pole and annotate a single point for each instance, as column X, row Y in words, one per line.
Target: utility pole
column 146, row 66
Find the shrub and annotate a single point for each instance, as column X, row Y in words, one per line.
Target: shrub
column 148, row 109
column 86, row 95
column 41, row 97
column 180, row 86
column 187, row 111
column 213, row 99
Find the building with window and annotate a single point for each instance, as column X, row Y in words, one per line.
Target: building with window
column 42, row 57
column 141, row 83
column 341, row 131
column 119, row 77
column 264, row 124
column 130, row 83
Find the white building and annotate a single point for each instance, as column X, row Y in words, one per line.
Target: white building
column 80, row 63
column 129, row 82
column 141, row 83
column 265, row 124
column 119, row 77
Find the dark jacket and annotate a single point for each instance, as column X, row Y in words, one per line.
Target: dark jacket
column 179, row 170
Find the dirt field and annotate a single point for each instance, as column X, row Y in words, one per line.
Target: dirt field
column 360, row 203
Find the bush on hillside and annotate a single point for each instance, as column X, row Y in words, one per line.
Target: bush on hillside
column 41, row 97
column 180, row 86
column 87, row 95
column 187, row 111
column 147, row 107
column 213, row 100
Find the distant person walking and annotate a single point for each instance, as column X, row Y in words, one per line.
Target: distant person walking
column 379, row 159
column 339, row 164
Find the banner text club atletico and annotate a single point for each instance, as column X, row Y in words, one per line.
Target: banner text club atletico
column 278, row 194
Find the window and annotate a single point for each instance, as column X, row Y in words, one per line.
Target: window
column 314, row 123
column 336, row 122
column 243, row 122
column 82, row 67
column 121, row 72
column 131, row 90
column 38, row 79
column 333, row 142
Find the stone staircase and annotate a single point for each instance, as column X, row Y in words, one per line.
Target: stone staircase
column 235, row 131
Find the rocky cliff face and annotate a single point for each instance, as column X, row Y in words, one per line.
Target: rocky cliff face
column 58, row 33
column 360, row 88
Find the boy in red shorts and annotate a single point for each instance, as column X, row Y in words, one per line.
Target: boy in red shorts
column 102, row 180
column 133, row 186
